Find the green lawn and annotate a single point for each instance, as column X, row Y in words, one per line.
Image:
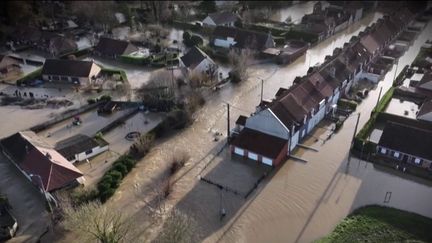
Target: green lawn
column 381, row 224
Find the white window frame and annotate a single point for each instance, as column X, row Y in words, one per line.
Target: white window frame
column 383, row 151
column 417, row 161
column 396, row 154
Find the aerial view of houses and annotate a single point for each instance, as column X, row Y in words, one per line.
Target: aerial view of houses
column 215, row 121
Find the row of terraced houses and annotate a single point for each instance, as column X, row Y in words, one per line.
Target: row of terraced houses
column 274, row 130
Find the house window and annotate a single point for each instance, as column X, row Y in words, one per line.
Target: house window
column 89, row 151
column 56, row 78
column 396, row 154
column 75, row 80
column 383, row 150
column 417, row 161
column 64, row 78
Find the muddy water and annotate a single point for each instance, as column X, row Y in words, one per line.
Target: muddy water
column 296, row 12
column 197, row 141
column 304, row 201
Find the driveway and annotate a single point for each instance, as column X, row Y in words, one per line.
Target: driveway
column 28, row 204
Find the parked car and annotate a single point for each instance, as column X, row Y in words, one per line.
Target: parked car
column 8, row 223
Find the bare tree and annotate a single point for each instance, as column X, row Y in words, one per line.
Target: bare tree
column 100, row 12
column 179, row 228
column 95, row 221
column 239, row 62
column 158, row 90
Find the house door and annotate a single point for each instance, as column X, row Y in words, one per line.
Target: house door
column 239, row 151
column 252, row 156
column 267, row 161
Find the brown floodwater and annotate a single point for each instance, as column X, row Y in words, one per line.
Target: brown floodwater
column 300, row 202
column 304, row 201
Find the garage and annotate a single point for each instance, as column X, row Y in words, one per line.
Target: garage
column 239, row 151
column 252, row 156
column 267, row 161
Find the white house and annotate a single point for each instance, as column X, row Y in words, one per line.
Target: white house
column 196, row 61
column 81, row 147
column 221, row 19
column 69, row 71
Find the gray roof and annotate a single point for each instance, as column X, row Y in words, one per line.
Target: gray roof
column 407, row 139
column 194, row 57
column 223, row 17
column 78, row 144
column 112, row 47
column 73, row 68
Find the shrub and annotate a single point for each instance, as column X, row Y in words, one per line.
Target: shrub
column 91, row 101
column 105, row 98
column 121, row 168
column 116, row 178
column 105, row 195
column 339, row 125
column 83, row 195
column 104, row 186
column 347, row 104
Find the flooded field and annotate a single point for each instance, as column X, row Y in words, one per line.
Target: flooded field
column 296, row 12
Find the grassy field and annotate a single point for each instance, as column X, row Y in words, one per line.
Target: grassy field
column 381, row 224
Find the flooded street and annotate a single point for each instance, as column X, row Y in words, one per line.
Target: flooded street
column 305, row 201
column 301, row 202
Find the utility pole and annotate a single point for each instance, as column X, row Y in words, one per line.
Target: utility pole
column 262, row 89
column 355, row 130
column 228, row 122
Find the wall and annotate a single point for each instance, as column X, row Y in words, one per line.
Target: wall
column 265, row 122
column 82, row 156
column 294, row 140
column 224, row 43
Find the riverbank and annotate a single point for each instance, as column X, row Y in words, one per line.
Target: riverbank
column 381, row 224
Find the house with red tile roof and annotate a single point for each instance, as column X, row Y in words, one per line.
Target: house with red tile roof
column 40, row 162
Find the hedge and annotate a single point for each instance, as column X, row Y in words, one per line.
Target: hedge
column 385, row 100
column 135, row 60
column 352, row 105
column 113, row 177
column 122, row 73
column 301, row 35
column 31, row 76
column 399, row 79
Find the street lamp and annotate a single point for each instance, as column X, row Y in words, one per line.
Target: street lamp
column 44, row 190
